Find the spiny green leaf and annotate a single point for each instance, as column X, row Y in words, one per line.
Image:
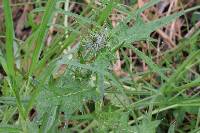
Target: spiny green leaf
column 67, row 93
column 150, row 125
column 115, row 121
column 49, row 120
column 142, row 31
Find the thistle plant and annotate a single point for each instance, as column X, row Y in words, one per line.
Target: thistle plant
column 87, row 96
column 94, row 44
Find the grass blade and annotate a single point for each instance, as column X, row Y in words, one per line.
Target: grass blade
column 149, row 62
column 166, row 88
column 9, row 37
column 106, row 12
column 9, row 54
column 41, row 34
column 5, row 129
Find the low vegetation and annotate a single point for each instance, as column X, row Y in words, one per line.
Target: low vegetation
column 99, row 66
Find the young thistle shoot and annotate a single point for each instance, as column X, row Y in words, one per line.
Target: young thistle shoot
column 92, row 44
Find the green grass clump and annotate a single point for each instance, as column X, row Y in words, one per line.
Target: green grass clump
column 70, row 86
